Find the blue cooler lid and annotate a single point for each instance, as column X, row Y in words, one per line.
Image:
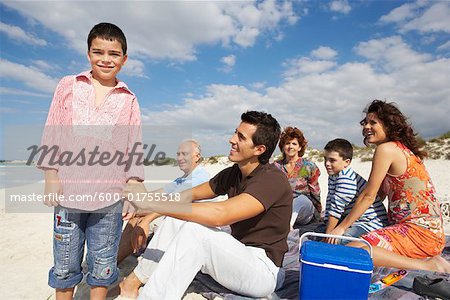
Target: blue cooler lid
column 322, row 253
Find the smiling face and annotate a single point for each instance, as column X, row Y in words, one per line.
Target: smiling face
column 187, row 157
column 106, row 58
column 242, row 147
column 373, row 130
column 291, row 149
column 334, row 163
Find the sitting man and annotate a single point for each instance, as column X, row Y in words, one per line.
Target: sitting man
column 258, row 210
column 137, row 230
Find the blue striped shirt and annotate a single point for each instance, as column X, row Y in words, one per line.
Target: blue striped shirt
column 343, row 190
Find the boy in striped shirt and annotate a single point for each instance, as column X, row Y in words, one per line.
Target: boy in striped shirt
column 344, row 187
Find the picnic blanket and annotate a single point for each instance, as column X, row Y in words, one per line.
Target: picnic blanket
column 210, row 289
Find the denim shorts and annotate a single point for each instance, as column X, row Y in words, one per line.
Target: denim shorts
column 101, row 231
column 353, row 231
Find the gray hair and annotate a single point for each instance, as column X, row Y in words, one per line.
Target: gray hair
column 196, row 145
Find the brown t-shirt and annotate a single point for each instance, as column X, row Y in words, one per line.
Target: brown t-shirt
column 268, row 185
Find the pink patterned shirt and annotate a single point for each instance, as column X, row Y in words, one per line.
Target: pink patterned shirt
column 79, row 128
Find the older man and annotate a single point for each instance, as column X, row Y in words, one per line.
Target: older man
column 137, row 230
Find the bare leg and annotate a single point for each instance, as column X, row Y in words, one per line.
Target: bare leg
column 64, row 294
column 125, row 248
column 386, row 258
column 98, row 292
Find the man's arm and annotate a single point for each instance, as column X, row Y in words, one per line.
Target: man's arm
column 232, row 210
column 137, row 190
column 200, row 192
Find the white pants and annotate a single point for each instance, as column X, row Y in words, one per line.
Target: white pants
column 180, row 249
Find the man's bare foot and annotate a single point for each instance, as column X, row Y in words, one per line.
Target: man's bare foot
column 439, row 264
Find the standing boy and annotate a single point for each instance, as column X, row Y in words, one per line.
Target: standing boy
column 344, row 186
column 92, row 112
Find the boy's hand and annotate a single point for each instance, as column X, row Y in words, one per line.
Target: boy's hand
column 139, row 235
column 52, row 189
column 335, row 231
column 331, row 225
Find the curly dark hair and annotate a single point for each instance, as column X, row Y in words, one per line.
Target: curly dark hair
column 290, row 133
column 396, row 125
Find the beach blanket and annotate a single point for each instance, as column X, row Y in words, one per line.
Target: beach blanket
column 210, row 289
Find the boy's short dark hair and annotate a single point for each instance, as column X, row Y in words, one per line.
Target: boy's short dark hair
column 267, row 132
column 108, row 31
column 341, row 146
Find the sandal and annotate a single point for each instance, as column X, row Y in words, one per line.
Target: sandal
column 438, row 287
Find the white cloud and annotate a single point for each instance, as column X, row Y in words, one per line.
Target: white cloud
column 134, row 67
column 324, row 53
column 213, row 116
column 258, row 85
column 444, row 46
column 20, row 112
column 421, row 16
column 29, row 76
column 164, row 30
column 305, row 65
column 326, row 104
column 434, row 19
column 391, row 53
column 17, row 92
column 340, row 6
column 8, row 110
column 229, row 62
column 400, row 14
column 43, row 66
column 19, row 35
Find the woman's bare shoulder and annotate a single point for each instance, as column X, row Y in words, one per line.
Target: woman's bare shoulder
column 388, row 146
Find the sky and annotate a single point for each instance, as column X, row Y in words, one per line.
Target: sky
column 314, row 65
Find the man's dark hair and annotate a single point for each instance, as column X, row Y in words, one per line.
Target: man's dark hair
column 341, row 146
column 267, row 132
column 110, row 32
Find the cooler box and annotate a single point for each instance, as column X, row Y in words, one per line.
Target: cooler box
column 333, row 271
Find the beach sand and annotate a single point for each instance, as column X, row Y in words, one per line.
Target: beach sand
column 26, row 238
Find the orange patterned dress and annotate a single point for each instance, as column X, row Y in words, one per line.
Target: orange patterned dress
column 414, row 212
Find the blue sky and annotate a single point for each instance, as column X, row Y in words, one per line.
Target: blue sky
column 312, row 64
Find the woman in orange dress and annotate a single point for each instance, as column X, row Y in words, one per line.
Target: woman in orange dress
column 416, row 231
